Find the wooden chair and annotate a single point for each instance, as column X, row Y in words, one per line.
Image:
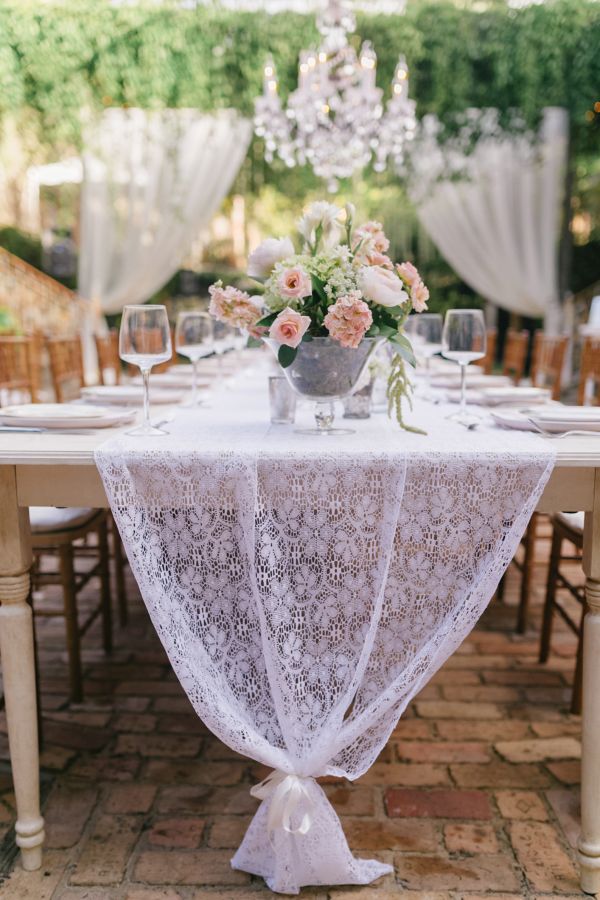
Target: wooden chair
column 547, row 362
column 569, row 527
column 66, row 367
column 61, row 532
column 107, row 348
column 18, row 369
column 516, row 345
column 489, row 359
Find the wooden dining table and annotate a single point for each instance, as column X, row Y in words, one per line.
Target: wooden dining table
column 51, row 469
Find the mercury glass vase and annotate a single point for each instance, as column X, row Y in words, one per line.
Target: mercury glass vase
column 325, row 371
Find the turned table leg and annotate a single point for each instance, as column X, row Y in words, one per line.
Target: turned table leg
column 18, row 667
column 589, row 841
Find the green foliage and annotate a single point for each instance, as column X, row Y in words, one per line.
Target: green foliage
column 399, row 388
column 63, row 61
column 25, row 246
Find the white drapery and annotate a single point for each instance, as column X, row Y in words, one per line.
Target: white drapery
column 305, row 594
column 495, row 214
column 152, row 181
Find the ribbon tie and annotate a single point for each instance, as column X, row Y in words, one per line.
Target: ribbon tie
column 286, row 793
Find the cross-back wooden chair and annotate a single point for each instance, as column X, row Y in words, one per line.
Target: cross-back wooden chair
column 569, row 527
column 107, row 348
column 547, row 362
column 18, row 369
column 66, row 367
column 516, row 345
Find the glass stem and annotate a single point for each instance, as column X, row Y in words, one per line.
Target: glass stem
column 463, row 388
column 195, row 381
column 324, row 415
column 146, row 379
column 427, row 376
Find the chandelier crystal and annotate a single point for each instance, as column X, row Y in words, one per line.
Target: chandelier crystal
column 335, row 120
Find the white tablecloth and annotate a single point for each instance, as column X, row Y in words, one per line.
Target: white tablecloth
column 306, row 588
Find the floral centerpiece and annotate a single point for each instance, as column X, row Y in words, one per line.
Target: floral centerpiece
column 341, row 286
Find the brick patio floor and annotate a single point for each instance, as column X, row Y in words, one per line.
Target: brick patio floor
column 474, row 796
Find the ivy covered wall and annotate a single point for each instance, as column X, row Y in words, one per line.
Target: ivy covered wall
column 62, row 61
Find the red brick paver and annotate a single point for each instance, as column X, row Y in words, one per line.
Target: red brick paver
column 474, row 797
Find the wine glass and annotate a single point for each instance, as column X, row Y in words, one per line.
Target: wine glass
column 428, row 335
column 464, row 340
column 145, row 341
column 193, row 335
column 221, row 339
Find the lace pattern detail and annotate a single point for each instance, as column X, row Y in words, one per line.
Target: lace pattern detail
column 305, row 594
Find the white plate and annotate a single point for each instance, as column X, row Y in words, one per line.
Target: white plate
column 127, row 395
column 567, row 419
column 50, row 411
column 170, row 381
column 79, row 417
column 512, row 418
column 514, row 394
column 576, row 414
column 476, row 380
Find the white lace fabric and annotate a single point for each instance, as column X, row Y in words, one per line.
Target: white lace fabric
column 305, row 589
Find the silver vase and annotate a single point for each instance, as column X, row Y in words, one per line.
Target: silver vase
column 325, row 371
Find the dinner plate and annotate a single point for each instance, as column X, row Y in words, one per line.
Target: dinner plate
column 50, row 411
column 61, row 415
column 126, row 395
column 567, row 418
column 177, row 380
column 476, row 380
column 494, row 396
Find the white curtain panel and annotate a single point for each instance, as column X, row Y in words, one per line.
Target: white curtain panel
column 498, row 222
column 152, row 181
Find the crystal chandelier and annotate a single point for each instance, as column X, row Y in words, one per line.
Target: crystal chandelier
column 335, row 120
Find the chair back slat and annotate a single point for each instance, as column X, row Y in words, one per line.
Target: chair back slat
column 516, row 345
column 107, row 348
column 66, row 367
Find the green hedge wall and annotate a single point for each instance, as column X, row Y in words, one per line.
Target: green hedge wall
column 62, row 61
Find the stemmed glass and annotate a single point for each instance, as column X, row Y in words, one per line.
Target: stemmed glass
column 464, row 341
column 145, row 341
column 193, row 336
column 427, row 337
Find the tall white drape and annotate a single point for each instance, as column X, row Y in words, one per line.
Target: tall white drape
column 495, row 214
column 152, row 180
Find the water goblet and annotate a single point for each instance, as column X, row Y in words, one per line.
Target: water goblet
column 193, row 337
column 464, row 341
column 145, row 341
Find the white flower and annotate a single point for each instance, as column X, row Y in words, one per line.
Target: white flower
column 271, row 251
column 382, row 286
column 323, row 214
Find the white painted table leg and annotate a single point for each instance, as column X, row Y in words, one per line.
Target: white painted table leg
column 18, row 667
column 589, row 841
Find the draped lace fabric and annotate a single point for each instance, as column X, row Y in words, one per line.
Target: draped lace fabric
column 306, row 590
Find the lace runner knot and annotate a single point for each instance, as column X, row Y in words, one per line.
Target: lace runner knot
column 286, row 791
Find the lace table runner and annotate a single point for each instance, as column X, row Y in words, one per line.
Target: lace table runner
column 305, row 589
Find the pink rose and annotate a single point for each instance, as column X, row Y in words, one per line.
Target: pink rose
column 372, row 233
column 289, row 327
column 235, row 307
column 408, row 272
column 378, row 259
column 294, row 283
column 382, row 286
column 419, row 296
column 348, row 320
